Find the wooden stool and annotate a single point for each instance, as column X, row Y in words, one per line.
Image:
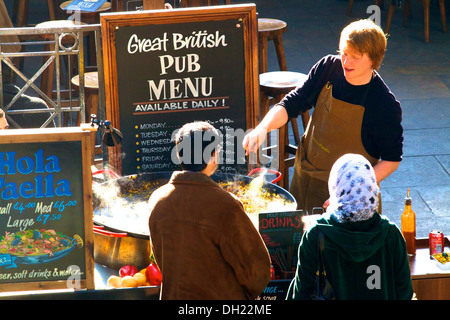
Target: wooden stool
column 277, row 84
column 90, row 92
column 271, row 30
column 426, row 16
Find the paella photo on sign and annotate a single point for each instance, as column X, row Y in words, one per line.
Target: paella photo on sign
column 35, row 247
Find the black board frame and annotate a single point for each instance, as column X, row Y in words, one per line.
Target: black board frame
column 51, row 137
column 110, row 22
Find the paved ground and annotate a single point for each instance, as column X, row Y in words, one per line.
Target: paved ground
column 418, row 73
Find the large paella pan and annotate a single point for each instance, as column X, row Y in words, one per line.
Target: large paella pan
column 121, row 214
column 121, row 204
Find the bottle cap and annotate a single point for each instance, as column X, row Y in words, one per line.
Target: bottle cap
column 408, row 199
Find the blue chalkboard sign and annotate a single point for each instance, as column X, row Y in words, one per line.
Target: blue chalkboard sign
column 45, row 208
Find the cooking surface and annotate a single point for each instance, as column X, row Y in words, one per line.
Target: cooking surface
column 121, row 204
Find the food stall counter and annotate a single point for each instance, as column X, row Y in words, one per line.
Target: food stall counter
column 431, row 280
column 102, row 292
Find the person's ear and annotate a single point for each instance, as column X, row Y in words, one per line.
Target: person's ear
column 213, row 159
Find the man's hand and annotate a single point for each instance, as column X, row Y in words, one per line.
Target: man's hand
column 253, row 140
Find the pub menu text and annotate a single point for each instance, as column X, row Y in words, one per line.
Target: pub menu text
column 173, row 74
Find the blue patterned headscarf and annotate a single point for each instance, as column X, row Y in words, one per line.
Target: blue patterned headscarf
column 353, row 189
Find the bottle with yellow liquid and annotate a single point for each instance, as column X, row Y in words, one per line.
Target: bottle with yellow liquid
column 408, row 221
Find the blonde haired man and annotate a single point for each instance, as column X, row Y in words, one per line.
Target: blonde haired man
column 354, row 112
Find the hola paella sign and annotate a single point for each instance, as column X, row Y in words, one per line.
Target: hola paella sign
column 45, row 211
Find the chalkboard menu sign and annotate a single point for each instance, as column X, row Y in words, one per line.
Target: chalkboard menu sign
column 282, row 232
column 166, row 68
column 45, row 209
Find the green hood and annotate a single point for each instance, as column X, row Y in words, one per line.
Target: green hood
column 357, row 241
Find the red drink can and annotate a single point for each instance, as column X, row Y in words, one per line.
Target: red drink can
column 436, row 239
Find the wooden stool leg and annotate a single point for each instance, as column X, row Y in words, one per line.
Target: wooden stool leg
column 262, row 49
column 406, row 11
column 22, row 13
column 389, row 17
column 350, row 6
column 294, row 125
column 51, row 10
column 278, row 41
column 115, row 6
column 443, row 18
column 305, row 120
column 91, row 103
column 264, row 106
column 426, row 19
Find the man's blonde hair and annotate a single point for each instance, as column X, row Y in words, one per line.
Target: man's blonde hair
column 2, row 113
column 364, row 36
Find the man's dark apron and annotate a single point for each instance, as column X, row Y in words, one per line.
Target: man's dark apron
column 333, row 130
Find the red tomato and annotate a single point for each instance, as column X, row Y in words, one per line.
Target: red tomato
column 153, row 274
column 128, row 270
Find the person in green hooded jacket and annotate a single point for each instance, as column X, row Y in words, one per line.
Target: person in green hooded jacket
column 364, row 253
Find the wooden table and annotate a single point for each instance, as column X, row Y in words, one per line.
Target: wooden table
column 430, row 282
